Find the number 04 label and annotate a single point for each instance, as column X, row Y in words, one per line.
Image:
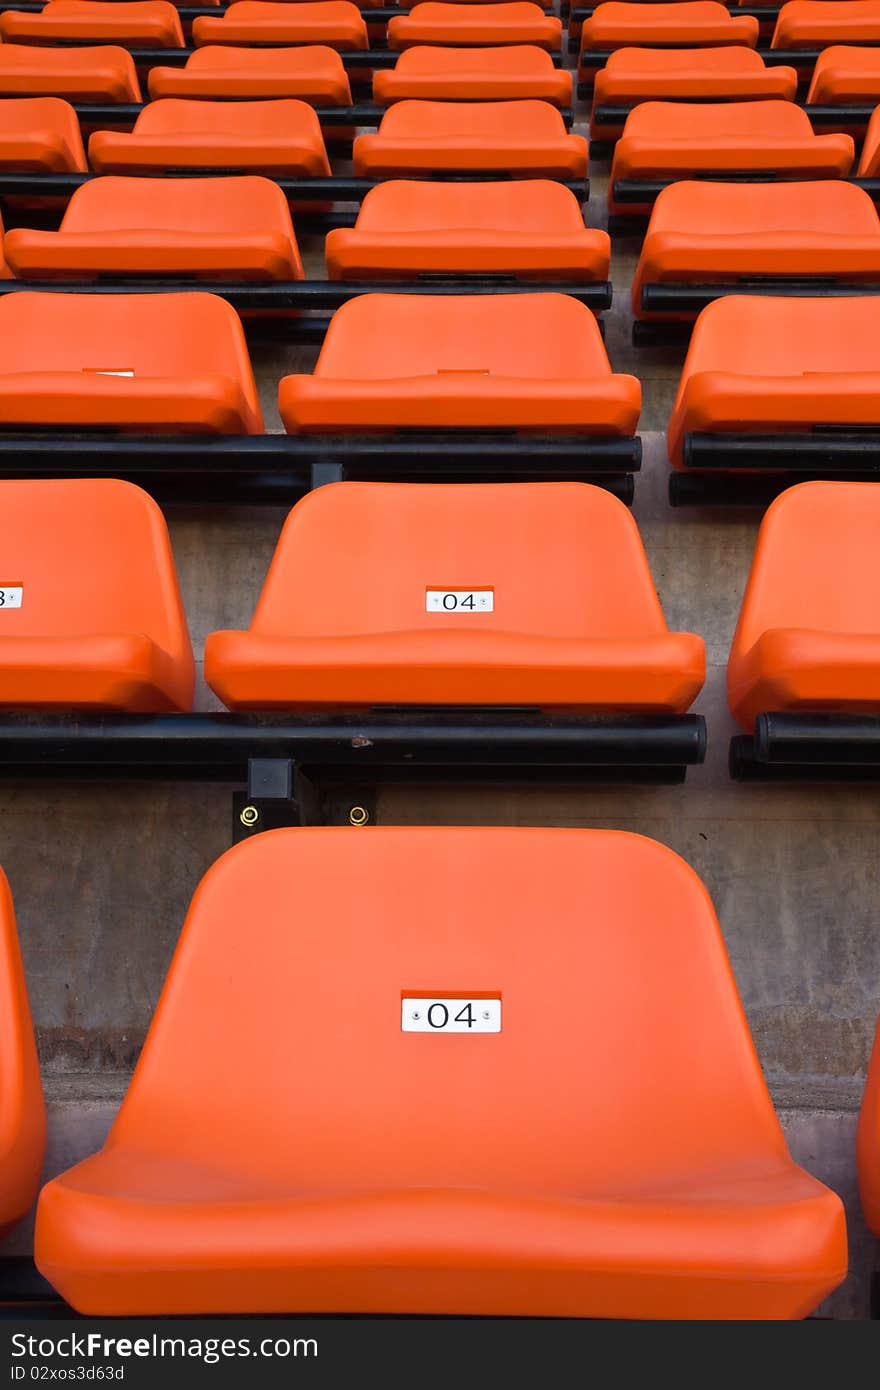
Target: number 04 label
column 451, row 1016
column 459, row 600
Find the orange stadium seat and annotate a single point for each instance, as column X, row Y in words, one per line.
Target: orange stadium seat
column 98, row 623
column 519, row 138
column 5, row 272
column 369, row 635
column 40, row 135
column 869, row 164
column 633, row 75
column 22, row 1110
column 336, row 23
column 868, row 1140
column 236, row 228
column 144, row 362
column 517, row 22
column 659, row 140
column 147, row 23
column 279, row 136
column 588, row 1193
column 528, row 228
column 474, row 74
column 846, row 74
column 719, row 233
column 808, row 635
column 533, row 362
column 313, row 73
column 771, row 365
column 102, row 73
column 818, row 23
column 682, row 24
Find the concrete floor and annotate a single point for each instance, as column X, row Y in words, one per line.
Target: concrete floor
column 793, row 871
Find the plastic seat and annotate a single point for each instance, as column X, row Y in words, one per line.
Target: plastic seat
column 515, row 22
column 22, row 1110
column 5, row 272
column 237, row 228
column 278, row 137
column 586, row 1192
column 474, row 74
column 818, row 23
column 869, row 164
column 149, row 363
column 519, row 138
column 367, row 555
column 148, row 23
column 313, row 73
column 40, row 135
column 846, row 74
column 102, row 73
column 336, row 23
column 868, row 1142
column 808, row 636
column 100, row 624
column 779, row 365
column 528, row 228
column 633, row 75
column 720, row 232
column 684, row 24
column 533, row 362
column 660, row 141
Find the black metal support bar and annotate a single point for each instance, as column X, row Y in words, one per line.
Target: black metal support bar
column 735, row 490
column 320, row 295
column 817, row 454
column 116, row 113
column 839, row 115
column 177, row 57
column 301, row 190
column 678, row 297
column 808, row 747
column 411, row 742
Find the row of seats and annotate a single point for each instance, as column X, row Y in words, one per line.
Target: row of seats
column 609, row 1171
column 386, row 594
column 338, row 23
column 283, row 136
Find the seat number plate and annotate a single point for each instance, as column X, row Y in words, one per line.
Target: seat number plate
column 460, row 601
column 451, row 1016
column 10, row 595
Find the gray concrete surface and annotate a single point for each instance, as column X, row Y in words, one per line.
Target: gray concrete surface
column 102, row 875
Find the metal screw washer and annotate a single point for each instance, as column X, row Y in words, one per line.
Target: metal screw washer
column 249, row 815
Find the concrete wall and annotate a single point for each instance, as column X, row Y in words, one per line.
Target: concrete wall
column 102, row 875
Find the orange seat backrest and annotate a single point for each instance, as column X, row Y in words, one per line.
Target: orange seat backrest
column 814, row 563
column 93, row 557
column 22, row 1111
column 277, row 1053
column 563, row 560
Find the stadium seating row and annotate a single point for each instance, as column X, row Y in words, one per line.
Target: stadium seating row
column 379, row 594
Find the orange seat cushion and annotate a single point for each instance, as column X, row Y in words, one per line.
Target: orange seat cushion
column 462, row 361
column 808, row 636
column 768, row 365
column 40, row 135
column 515, row 22
column 474, row 74
column 522, row 227
column 719, row 232
column 817, row 23
column 869, row 164
column 153, row 23
column 520, row 138
column 610, row 1176
column 659, row 141
column 561, row 633
column 336, row 23
column 22, row 1110
column 846, row 75
column 278, row 136
column 225, row 227
column 149, row 363
column 632, row 75
column 102, row 73
column 313, row 73
column 101, row 624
